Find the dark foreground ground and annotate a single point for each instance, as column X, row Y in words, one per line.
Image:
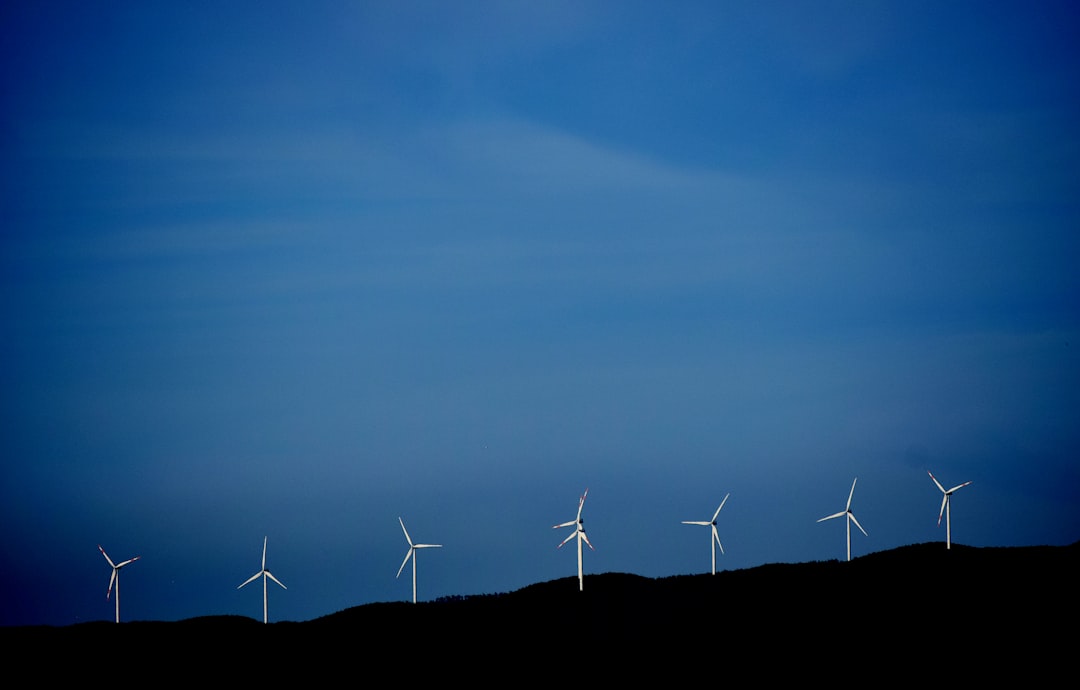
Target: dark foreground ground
column 917, row 613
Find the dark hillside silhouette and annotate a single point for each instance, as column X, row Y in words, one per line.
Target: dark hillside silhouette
column 911, row 608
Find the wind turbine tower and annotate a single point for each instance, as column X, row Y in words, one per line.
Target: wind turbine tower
column 850, row 518
column 115, row 578
column 411, row 553
column 946, row 505
column 264, row 574
column 714, row 540
column 579, row 533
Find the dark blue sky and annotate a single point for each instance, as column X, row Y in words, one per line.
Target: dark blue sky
column 295, row 270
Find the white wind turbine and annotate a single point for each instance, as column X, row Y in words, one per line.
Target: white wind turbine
column 715, row 539
column 264, row 574
column 115, row 578
column 412, row 554
column 578, row 532
column 850, row 518
column 946, row 503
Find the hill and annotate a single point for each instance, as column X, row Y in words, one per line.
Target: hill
column 914, row 609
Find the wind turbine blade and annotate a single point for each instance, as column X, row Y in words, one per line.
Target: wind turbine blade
column 696, row 522
column 427, row 546
column 944, row 501
column 960, row 486
column 264, row 554
column 581, row 503
column 852, row 493
column 130, row 560
column 407, row 537
column 251, row 579
column 407, row 557
column 716, row 536
column 834, row 515
column 111, row 564
column 720, row 508
column 112, row 579
column 271, row 576
column 852, row 516
column 571, row 523
column 568, row 538
column 936, row 481
column 586, row 538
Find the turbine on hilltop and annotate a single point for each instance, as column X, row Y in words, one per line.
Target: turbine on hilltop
column 946, row 505
column 411, row 553
column 714, row 540
column 850, row 518
column 264, row 574
column 114, row 579
column 579, row 533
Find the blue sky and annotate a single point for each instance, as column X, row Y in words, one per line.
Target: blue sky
column 296, row 270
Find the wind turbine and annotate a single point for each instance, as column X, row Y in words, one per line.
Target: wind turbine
column 851, row 518
column 715, row 540
column 579, row 532
column 264, row 574
column 412, row 554
column 115, row 578
column 946, row 502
